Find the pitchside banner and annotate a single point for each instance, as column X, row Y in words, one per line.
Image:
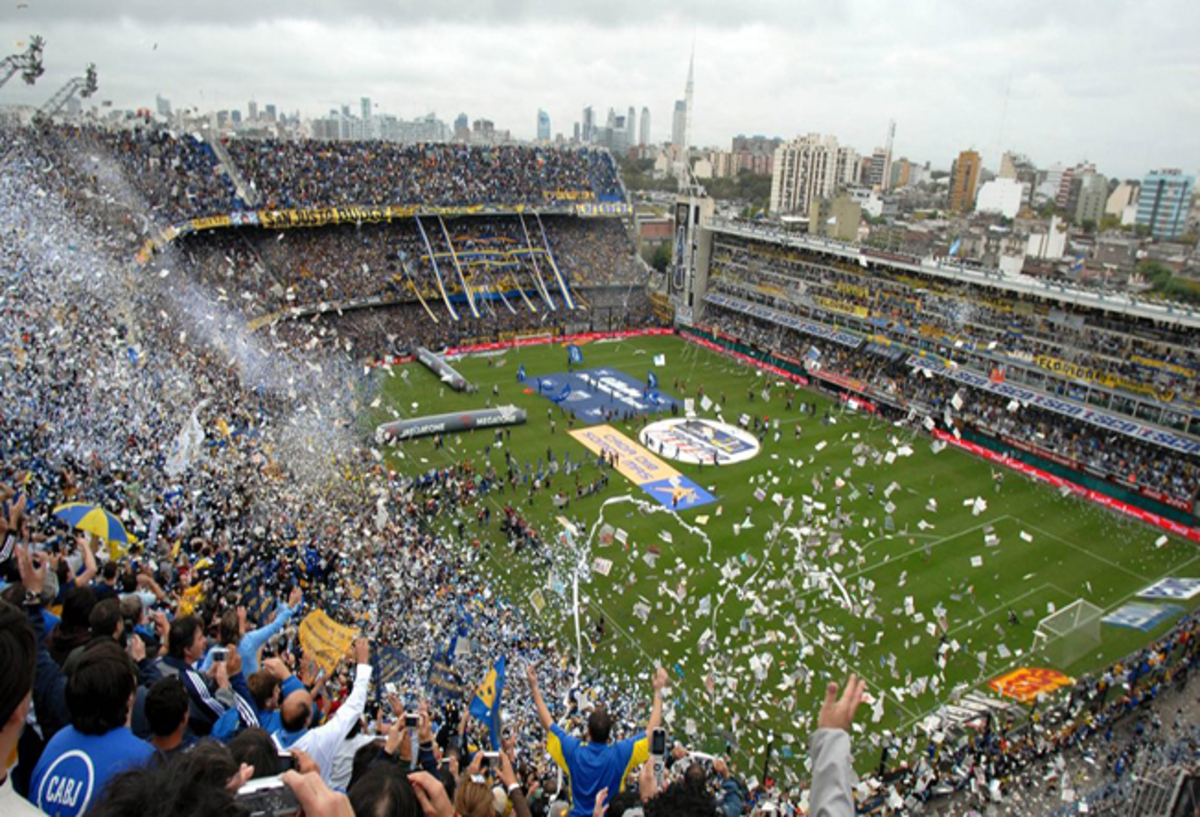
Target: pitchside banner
column 1111, row 422
column 784, row 319
column 443, row 423
column 666, row 485
column 1169, row 525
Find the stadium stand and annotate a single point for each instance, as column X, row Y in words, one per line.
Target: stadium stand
column 230, row 549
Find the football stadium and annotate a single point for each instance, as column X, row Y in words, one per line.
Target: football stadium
column 264, row 397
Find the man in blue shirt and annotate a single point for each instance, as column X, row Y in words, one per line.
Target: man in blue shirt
column 98, row 745
column 594, row 765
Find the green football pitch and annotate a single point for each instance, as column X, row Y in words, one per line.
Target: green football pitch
column 747, row 609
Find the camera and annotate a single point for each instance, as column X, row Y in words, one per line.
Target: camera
column 658, row 742
column 267, row 797
column 489, row 760
column 287, row 762
column 219, row 653
column 412, row 721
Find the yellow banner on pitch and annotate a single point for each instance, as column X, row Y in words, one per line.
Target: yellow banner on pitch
column 325, row 640
column 634, row 462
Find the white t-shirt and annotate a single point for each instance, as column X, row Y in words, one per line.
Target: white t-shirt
column 13, row 804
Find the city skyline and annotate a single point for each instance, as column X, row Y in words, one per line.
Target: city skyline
column 1105, row 82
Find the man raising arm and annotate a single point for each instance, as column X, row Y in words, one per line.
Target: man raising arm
column 543, row 712
column 832, row 767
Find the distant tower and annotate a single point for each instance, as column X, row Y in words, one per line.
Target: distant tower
column 687, row 101
column 887, row 157
column 682, row 126
column 644, row 138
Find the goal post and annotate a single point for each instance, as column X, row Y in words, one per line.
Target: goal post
column 1065, row 636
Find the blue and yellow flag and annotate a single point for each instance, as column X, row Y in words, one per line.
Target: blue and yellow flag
column 485, row 706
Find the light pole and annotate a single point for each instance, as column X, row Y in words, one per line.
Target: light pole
column 767, row 759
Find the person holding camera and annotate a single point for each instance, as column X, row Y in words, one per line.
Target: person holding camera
column 593, row 765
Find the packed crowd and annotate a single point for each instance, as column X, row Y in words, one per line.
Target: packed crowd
column 172, row 675
column 363, row 174
column 179, row 177
column 1122, row 459
column 966, row 320
column 498, row 256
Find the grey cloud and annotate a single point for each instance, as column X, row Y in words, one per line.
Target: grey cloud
column 1103, row 80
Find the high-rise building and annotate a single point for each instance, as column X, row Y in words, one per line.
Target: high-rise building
column 631, row 134
column 269, row 112
column 881, row 170
column 252, row 110
column 644, row 133
column 679, row 124
column 589, row 124
column 1008, row 166
column 849, row 165
column 543, row 126
column 964, row 181
column 881, row 163
column 236, row 116
column 1087, row 198
column 1163, row 203
column 163, row 105
column 805, row 170
column 1064, row 184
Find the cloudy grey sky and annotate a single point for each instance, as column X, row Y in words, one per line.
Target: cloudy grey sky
column 1112, row 82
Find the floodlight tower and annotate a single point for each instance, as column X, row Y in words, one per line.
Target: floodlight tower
column 28, row 63
column 85, row 86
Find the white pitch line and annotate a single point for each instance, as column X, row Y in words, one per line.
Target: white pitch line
column 1087, row 552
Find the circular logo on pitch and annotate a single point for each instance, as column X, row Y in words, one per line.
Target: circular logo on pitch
column 694, row 440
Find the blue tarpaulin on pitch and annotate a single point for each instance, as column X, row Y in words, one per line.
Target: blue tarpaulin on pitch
column 589, row 393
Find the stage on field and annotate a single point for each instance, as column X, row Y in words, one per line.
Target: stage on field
column 696, row 440
column 593, row 395
column 666, row 485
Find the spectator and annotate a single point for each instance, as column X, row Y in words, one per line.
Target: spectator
column 98, row 744
column 185, row 646
column 321, row 743
column 18, row 657
column 166, row 710
column 594, row 765
column 833, row 775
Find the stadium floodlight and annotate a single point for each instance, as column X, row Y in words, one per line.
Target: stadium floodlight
column 29, row 63
column 85, row 86
column 1065, row 636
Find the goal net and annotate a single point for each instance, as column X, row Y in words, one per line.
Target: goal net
column 1069, row 634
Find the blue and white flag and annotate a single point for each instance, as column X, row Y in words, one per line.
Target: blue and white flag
column 562, row 395
column 574, row 354
column 651, row 380
column 954, row 247
column 521, row 373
